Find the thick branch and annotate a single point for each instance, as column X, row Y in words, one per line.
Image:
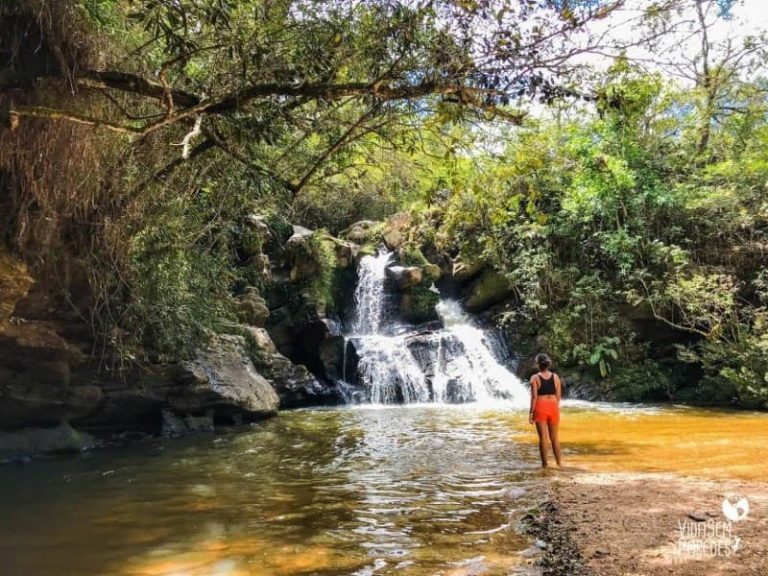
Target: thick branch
column 54, row 114
column 236, row 100
column 135, row 84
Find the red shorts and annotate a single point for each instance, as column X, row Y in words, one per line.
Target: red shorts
column 547, row 410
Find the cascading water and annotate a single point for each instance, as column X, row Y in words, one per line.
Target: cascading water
column 370, row 294
column 456, row 363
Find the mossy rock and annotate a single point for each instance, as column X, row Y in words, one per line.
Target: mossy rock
column 465, row 270
column 417, row 305
column 364, row 232
column 411, row 255
column 366, row 250
column 489, row 289
column 432, row 272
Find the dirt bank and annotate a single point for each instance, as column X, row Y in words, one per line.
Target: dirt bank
column 649, row 524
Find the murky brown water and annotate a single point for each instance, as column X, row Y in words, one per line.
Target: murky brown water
column 399, row 491
column 690, row 441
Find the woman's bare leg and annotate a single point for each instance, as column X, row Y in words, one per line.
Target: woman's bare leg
column 541, row 428
column 554, row 437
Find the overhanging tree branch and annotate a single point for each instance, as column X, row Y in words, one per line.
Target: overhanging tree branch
column 480, row 98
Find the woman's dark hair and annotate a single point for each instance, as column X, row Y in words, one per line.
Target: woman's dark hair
column 543, row 361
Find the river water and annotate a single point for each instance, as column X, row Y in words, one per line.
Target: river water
column 429, row 488
column 418, row 490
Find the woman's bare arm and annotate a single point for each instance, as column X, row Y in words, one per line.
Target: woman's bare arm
column 534, row 395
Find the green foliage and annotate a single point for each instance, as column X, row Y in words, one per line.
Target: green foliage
column 418, row 304
column 322, row 287
column 643, row 380
column 411, row 255
column 620, row 242
column 179, row 278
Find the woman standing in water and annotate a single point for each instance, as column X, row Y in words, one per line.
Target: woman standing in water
column 545, row 408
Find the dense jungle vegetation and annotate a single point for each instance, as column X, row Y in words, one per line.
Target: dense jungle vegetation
column 626, row 204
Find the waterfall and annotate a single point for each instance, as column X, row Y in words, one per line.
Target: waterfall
column 370, row 295
column 459, row 362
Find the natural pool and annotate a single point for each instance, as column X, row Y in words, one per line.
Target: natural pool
column 422, row 490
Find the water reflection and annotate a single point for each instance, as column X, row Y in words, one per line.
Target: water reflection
column 418, row 491
column 425, row 490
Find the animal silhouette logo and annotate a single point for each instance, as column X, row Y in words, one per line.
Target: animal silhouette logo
column 735, row 509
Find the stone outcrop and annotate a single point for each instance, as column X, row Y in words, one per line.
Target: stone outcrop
column 302, row 261
column 252, row 308
column 405, row 276
column 397, row 230
column 488, row 289
column 362, row 232
column 294, row 383
column 463, row 271
column 30, row 441
column 223, row 379
column 221, row 385
column 36, row 361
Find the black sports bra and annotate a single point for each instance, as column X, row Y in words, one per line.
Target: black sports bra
column 547, row 385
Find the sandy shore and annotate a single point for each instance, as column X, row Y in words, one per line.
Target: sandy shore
column 649, row 524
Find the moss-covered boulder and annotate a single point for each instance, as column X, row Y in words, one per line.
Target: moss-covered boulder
column 363, row 232
column 302, row 255
column 488, row 289
column 252, row 308
column 418, row 303
column 463, row 270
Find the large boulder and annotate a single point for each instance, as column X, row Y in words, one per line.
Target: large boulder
column 223, row 378
column 346, row 252
column 418, row 304
column 405, row 276
column 361, row 232
column 488, row 289
column 397, row 230
column 254, row 235
column 393, row 238
column 33, row 441
column 294, row 383
column 302, row 260
column 463, row 271
column 220, row 385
